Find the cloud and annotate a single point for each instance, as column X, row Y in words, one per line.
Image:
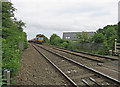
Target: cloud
column 56, row 16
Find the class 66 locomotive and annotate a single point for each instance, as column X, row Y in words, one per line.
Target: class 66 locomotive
column 40, row 39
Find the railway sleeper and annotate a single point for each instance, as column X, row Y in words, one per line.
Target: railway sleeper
column 81, row 76
column 103, row 83
column 76, row 73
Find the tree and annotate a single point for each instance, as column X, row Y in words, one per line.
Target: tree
column 83, row 37
column 7, row 14
column 55, row 39
column 107, row 35
column 20, row 24
column 110, row 32
column 12, row 34
column 98, row 38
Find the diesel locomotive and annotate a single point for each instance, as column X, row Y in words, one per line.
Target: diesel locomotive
column 39, row 39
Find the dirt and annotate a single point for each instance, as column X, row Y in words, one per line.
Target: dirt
column 35, row 70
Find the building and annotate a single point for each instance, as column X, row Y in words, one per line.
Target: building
column 72, row 36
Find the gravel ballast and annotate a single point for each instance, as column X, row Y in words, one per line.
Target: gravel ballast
column 35, row 70
column 110, row 70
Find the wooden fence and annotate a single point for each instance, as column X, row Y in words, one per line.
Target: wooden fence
column 117, row 47
column 88, row 47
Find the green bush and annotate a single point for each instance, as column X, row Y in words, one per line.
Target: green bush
column 10, row 58
column 12, row 34
column 98, row 38
column 107, row 35
column 57, row 41
column 64, row 44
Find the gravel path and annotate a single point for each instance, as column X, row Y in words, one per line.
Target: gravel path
column 35, row 70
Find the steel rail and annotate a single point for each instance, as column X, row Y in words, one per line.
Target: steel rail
column 106, row 57
column 68, row 79
column 94, row 81
column 80, row 55
column 84, row 81
column 86, row 67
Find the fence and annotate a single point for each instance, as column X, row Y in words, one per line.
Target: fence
column 88, row 47
column 117, row 47
column 7, row 77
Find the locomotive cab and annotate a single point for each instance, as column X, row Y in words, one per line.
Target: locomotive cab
column 40, row 39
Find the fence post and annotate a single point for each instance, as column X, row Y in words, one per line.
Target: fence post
column 110, row 51
column 7, row 76
column 21, row 46
column 115, row 46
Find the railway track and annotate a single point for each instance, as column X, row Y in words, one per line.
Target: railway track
column 86, row 55
column 111, row 64
column 105, row 61
column 76, row 73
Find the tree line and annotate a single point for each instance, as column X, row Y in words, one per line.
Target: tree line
column 12, row 35
column 105, row 36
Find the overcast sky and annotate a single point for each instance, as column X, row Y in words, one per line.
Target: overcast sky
column 58, row 16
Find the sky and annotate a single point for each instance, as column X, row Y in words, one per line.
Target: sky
column 58, row 16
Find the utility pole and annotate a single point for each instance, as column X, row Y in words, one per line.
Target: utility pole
column 119, row 31
column 119, row 21
column 115, row 46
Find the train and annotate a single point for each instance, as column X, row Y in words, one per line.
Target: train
column 39, row 40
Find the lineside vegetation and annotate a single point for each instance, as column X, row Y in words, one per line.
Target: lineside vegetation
column 105, row 36
column 12, row 35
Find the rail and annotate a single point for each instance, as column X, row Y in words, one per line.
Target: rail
column 91, row 69
column 68, row 79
